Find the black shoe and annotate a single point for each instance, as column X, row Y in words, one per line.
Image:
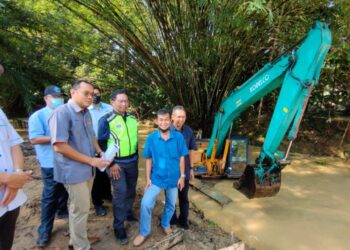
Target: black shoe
column 173, row 221
column 62, row 216
column 183, row 225
column 43, row 240
column 131, row 219
column 100, row 210
column 108, row 198
column 121, row 237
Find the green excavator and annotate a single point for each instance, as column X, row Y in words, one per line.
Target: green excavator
column 296, row 73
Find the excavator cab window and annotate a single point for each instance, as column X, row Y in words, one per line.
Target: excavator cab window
column 238, row 156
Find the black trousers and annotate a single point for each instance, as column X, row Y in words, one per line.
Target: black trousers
column 184, row 205
column 7, row 229
column 101, row 188
column 124, row 193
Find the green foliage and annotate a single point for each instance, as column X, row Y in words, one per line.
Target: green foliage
column 192, row 53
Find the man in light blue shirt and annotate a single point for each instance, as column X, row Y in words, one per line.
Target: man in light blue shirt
column 98, row 108
column 101, row 188
column 54, row 195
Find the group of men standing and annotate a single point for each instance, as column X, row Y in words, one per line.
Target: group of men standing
column 70, row 141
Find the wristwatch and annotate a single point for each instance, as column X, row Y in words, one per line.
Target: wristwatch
column 183, row 176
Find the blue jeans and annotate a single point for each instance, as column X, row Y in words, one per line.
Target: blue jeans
column 54, row 199
column 147, row 204
column 124, row 193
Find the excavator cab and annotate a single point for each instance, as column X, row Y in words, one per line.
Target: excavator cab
column 231, row 164
column 238, row 157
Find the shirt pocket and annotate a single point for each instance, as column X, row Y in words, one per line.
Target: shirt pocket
column 173, row 153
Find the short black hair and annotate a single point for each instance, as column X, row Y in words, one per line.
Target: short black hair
column 163, row 111
column 76, row 83
column 117, row 92
column 98, row 88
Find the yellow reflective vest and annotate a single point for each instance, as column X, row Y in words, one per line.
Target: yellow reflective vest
column 123, row 132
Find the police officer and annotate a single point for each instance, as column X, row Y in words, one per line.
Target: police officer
column 119, row 128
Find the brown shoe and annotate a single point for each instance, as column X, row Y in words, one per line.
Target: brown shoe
column 167, row 231
column 139, row 240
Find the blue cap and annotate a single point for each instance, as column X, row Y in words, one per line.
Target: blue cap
column 53, row 90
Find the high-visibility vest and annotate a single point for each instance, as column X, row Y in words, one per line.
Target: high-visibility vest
column 123, row 133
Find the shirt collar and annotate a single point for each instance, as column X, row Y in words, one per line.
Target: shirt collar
column 172, row 127
column 170, row 134
column 102, row 106
column 75, row 106
column 124, row 116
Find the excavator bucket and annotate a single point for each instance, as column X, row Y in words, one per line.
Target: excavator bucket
column 250, row 185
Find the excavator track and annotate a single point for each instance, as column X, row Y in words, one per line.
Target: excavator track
column 251, row 186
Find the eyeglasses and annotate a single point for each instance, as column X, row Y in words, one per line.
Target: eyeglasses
column 87, row 93
column 123, row 101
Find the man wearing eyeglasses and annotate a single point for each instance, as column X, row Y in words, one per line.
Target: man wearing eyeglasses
column 75, row 146
column 119, row 129
column 101, row 188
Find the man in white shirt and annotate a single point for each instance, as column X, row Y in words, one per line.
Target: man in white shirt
column 12, row 179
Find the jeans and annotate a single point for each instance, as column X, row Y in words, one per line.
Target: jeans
column 54, row 199
column 124, row 193
column 147, row 204
column 7, row 229
column 184, row 205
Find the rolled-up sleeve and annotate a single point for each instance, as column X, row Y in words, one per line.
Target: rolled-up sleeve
column 35, row 128
column 13, row 136
column 59, row 125
column 192, row 144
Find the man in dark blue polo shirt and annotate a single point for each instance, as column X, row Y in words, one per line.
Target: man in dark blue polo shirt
column 164, row 151
column 178, row 123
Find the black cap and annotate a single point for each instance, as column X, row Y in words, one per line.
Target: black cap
column 53, row 90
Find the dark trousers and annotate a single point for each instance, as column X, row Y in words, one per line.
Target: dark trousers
column 184, row 205
column 101, row 188
column 7, row 229
column 54, row 200
column 124, row 193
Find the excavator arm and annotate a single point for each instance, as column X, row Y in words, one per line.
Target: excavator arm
column 296, row 72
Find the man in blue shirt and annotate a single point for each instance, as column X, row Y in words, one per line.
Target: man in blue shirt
column 178, row 123
column 54, row 195
column 164, row 151
column 101, row 187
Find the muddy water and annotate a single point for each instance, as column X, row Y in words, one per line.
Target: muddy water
column 311, row 211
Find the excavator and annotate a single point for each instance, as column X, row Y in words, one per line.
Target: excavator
column 296, row 72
